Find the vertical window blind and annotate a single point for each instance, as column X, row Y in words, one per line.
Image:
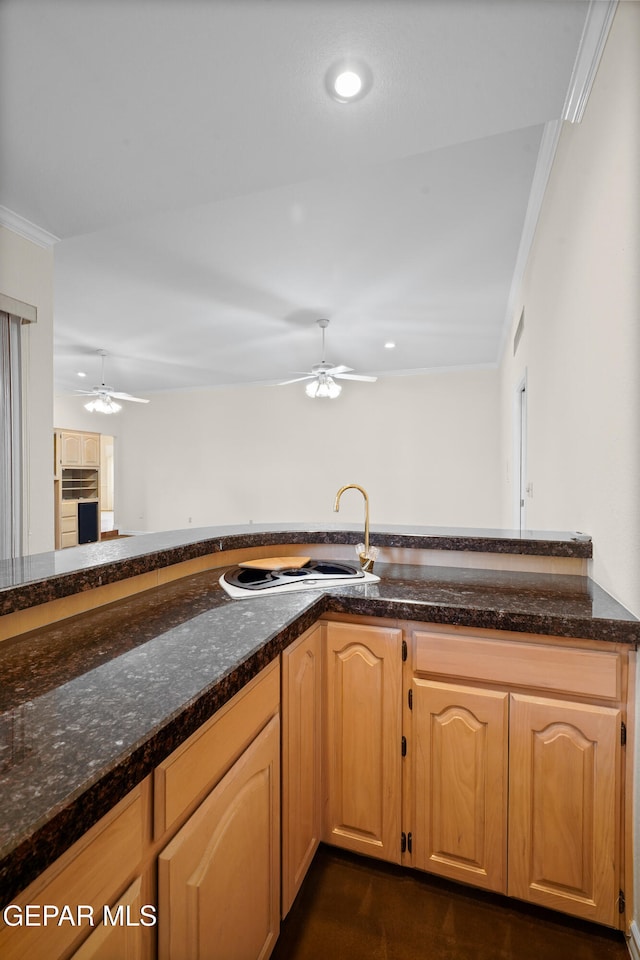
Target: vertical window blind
column 11, row 456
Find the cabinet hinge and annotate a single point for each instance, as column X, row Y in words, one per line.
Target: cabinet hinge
column 410, row 698
column 404, row 651
column 404, row 746
column 622, row 903
column 623, row 734
column 406, row 842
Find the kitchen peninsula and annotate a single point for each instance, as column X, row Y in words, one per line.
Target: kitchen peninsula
column 117, row 654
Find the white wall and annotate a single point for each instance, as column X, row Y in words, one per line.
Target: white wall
column 69, row 413
column 26, row 273
column 581, row 345
column 424, row 447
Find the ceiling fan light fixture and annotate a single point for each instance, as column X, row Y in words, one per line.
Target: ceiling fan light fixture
column 323, row 388
column 102, row 405
column 105, row 397
column 322, row 376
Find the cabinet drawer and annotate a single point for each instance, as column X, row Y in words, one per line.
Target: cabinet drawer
column 91, row 874
column 191, row 770
column 69, row 508
column 584, row 673
column 69, row 539
column 69, row 524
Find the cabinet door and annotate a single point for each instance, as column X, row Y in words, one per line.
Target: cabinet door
column 301, row 760
column 89, row 875
column 129, row 934
column 459, row 752
column 219, row 878
column 90, row 449
column 564, row 805
column 363, row 739
column 71, row 449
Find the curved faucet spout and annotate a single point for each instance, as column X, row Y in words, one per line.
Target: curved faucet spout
column 336, row 507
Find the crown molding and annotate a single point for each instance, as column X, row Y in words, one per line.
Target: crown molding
column 594, row 36
column 30, row 231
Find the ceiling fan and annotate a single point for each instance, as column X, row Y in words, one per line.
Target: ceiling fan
column 323, row 375
column 105, row 397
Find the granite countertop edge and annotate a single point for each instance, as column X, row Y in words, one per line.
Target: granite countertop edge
column 33, row 580
column 27, row 856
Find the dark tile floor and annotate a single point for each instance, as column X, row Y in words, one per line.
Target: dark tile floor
column 351, row 907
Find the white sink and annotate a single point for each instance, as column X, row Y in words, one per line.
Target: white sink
column 242, row 582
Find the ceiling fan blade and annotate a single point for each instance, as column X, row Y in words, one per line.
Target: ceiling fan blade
column 353, row 376
column 86, row 393
column 310, row 376
column 337, row 371
column 126, row 396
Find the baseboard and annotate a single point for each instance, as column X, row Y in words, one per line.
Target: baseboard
column 634, row 941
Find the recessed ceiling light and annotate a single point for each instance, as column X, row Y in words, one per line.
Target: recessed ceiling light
column 81, row 374
column 347, row 85
column 389, row 345
column 348, row 80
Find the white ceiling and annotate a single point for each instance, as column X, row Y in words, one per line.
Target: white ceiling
column 212, row 200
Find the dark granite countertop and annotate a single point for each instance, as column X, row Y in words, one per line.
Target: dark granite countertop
column 28, row 581
column 89, row 706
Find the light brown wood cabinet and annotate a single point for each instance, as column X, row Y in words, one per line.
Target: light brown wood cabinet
column 363, row 734
column 513, row 790
column 219, row 878
column 207, row 824
column 68, row 523
column 564, row 806
column 92, row 874
column 460, row 739
column 129, row 938
column 77, row 449
column 512, row 781
column 301, row 759
column 76, row 481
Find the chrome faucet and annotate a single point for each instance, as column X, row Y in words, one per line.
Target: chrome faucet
column 365, row 562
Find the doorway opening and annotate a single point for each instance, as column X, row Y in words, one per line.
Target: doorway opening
column 107, row 515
